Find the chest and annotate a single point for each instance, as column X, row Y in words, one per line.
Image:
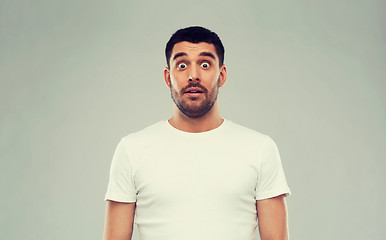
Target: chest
column 210, row 176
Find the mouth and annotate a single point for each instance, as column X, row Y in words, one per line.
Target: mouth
column 194, row 92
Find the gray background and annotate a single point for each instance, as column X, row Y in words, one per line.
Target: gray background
column 76, row 76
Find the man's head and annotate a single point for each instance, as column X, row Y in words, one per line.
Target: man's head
column 195, row 70
column 195, row 34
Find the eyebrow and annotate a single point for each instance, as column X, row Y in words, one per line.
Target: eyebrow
column 207, row 54
column 180, row 54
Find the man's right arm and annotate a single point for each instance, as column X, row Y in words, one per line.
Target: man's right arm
column 119, row 220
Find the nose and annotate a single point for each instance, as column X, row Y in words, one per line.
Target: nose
column 194, row 75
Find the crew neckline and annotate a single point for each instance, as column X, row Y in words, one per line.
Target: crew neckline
column 209, row 132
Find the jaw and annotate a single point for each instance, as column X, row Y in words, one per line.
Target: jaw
column 195, row 106
column 213, row 112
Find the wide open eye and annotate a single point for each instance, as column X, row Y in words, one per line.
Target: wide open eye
column 205, row 65
column 182, row 65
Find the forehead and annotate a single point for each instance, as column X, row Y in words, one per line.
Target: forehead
column 193, row 49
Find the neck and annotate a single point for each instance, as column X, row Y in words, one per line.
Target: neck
column 209, row 121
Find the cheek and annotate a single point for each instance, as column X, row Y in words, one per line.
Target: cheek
column 174, row 85
column 178, row 80
column 214, row 78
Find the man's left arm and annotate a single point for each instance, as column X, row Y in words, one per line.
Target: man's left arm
column 272, row 218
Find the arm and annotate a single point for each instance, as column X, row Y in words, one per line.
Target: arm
column 272, row 218
column 119, row 220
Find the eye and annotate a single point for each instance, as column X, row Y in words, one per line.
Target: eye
column 205, row 65
column 182, row 65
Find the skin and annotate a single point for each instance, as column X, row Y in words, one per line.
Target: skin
column 272, row 218
column 212, row 78
column 189, row 64
column 119, row 220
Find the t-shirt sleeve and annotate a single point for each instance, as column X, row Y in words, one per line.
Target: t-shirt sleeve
column 121, row 187
column 271, row 181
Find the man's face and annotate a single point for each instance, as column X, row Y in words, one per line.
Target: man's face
column 194, row 77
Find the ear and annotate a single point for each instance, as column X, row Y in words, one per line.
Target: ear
column 167, row 76
column 223, row 75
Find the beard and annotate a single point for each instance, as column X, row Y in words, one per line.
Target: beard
column 192, row 108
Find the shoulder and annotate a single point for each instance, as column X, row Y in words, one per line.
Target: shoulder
column 247, row 134
column 147, row 135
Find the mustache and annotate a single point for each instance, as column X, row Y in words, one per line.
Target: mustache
column 195, row 85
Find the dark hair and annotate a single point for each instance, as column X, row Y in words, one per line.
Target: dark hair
column 195, row 34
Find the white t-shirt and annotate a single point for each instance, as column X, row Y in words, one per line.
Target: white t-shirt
column 196, row 185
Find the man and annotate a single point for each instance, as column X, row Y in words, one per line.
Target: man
column 196, row 176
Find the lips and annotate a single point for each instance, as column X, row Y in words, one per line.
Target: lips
column 194, row 92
